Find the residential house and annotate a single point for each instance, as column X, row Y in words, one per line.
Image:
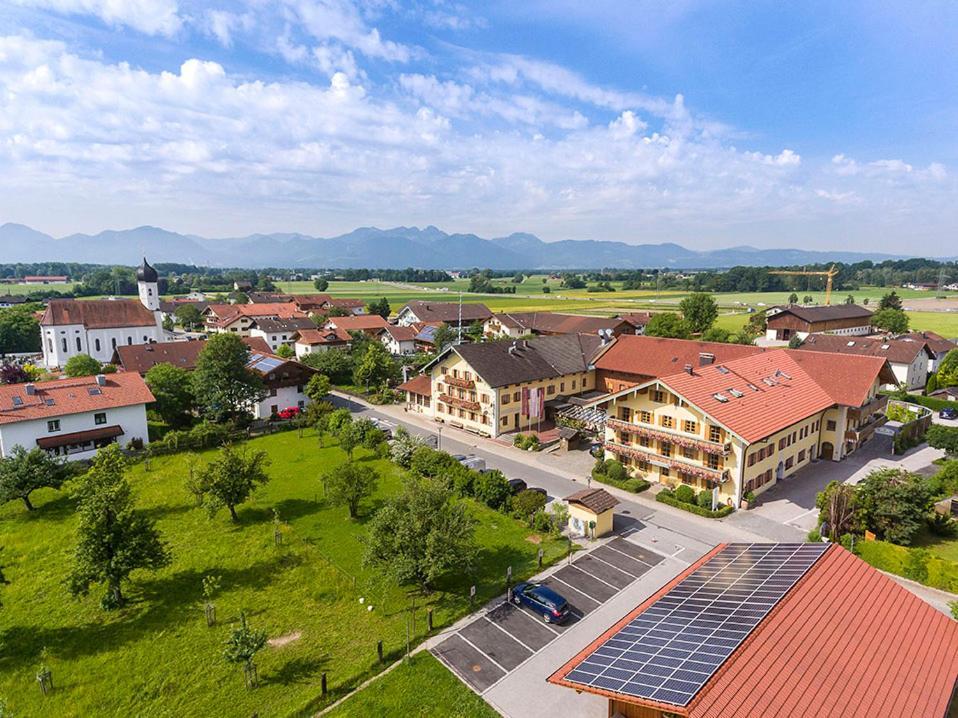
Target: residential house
column 285, row 381
column 310, row 341
column 11, row 300
column 398, row 340
column 237, row 318
column 279, row 332
column 140, row 358
column 448, row 313
column 632, row 360
column 73, row 418
column 909, row 359
column 792, row 320
column 242, row 285
column 323, row 304
column 46, row 279
column 638, row 320
column 783, row 630
column 513, row 325
column 426, row 336
column 492, row 388
column 369, row 324
column 937, row 345
column 267, row 297
column 744, row 424
column 168, row 307
column 418, row 391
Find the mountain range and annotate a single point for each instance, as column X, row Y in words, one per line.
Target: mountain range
column 399, row 247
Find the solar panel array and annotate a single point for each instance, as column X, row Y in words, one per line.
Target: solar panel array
column 671, row 649
column 268, row 364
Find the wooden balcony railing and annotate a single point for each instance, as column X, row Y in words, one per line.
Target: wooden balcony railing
column 461, row 403
column 671, row 462
column 672, row 437
column 458, row 382
column 879, row 403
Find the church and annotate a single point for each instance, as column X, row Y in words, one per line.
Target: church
column 97, row 326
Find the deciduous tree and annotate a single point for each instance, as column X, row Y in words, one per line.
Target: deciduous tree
column 82, row 365
column 173, row 391
column 321, row 284
column 667, row 324
column 375, row 366
column 890, row 320
column 349, row 483
column 891, row 300
column 188, row 316
column 229, row 479
column 23, row 472
column 699, row 311
column 317, row 388
column 222, row 385
column 893, row 504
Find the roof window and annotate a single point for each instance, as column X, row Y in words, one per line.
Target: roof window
column 720, row 397
column 736, row 393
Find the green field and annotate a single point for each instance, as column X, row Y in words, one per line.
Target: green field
column 422, row 688
column 27, row 288
column 157, row 657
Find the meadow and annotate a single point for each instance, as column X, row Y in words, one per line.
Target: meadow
column 157, row 657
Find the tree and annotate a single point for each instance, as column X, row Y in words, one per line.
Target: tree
column 188, row 316
column 317, row 388
column 793, row 298
column 334, row 363
column 667, row 324
column 375, row 366
column 19, row 329
column 948, row 369
column 443, row 337
column 321, row 284
column 890, row 320
column 518, row 278
column 222, row 385
column 172, row 389
column 229, row 479
column 795, row 342
column 893, row 503
column 113, row 538
column 474, row 331
column 943, row 437
column 699, row 311
column 546, row 290
column 13, row 374
column 349, row 435
column 421, row 534
column 932, row 384
column 285, row 351
column 23, row 472
column 403, row 446
column 380, row 307
column 527, row 502
column 891, row 300
column 82, row 365
column 838, row 510
column 349, row 483
column 243, row 645
column 492, row 488
column 716, row 334
column 850, row 299
column 807, row 299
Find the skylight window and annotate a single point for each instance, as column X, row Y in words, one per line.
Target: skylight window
column 736, row 393
column 722, row 369
column 850, row 344
column 94, row 391
column 769, row 382
column 17, row 401
column 721, row 398
column 752, row 387
column 48, row 402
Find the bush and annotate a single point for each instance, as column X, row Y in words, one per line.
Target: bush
column 943, row 437
column 542, row 522
column 526, row 442
column 704, row 499
column 749, row 497
column 668, row 497
column 814, row 536
column 492, row 488
column 937, row 572
column 526, row 503
column 685, row 494
column 942, row 525
column 613, row 473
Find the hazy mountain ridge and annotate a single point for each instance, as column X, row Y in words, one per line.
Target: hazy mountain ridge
column 399, row 247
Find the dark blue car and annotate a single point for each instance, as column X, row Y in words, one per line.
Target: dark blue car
column 542, row 600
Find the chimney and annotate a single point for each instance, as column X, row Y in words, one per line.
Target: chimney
column 31, row 389
column 101, row 379
column 688, row 369
column 706, row 358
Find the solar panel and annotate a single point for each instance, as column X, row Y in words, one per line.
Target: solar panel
column 671, row 649
column 267, row 364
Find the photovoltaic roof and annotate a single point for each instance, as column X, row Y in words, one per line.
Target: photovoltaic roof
column 671, row 649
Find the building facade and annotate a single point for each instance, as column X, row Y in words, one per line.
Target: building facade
column 795, row 320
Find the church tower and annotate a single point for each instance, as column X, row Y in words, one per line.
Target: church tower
column 147, row 281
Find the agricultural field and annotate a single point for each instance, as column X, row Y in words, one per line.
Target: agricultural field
column 17, row 289
column 157, row 657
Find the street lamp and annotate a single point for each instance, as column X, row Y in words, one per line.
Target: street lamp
column 439, row 442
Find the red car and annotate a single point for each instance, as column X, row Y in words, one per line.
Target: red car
column 290, row 412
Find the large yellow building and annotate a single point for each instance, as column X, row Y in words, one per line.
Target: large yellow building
column 744, row 424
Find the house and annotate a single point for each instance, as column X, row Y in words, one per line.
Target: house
column 517, row 324
column 590, row 512
column 744, row 424
column 11, row 300
column 323, row 304
column 783, row 323
column 46, row 279
column 168, row 307
column 97, row 327
column 426, row 336
column 277, row 332
column 74, row 417
column 310, row 341
column 948, row 393
column 759, row 630
column 497, row 387
column 140, row 358
column 638, row 320
column 237, row 318
column 285, row 381
column 937, row 345
column 267, row 297
column 418, row 391
column 631, row 360
column 909, row 359
column 369, row 324
column 241, row 285
column 399, row 341
column 448, row 313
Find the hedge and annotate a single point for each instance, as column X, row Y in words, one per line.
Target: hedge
column 917, row 564
column 634, row 486
column 927, row 401
column 666, row 497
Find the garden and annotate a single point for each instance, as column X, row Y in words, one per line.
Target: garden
column 246, row 595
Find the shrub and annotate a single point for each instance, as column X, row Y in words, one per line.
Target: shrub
column 685, row 494
column 942, row 525
column 492, row 489
column 526, row 442
column 615, row 471
column 528, row 502
column 814, row 536
column 943, row 437
column 542, row 522
column 750, row 497
column 668, row 497
column 704, row 499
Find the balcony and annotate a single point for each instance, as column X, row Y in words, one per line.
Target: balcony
column 671, row 462
column 458, row 382
column 863, row 432
column 460, row 403
column 672, row 437
column 878, row 404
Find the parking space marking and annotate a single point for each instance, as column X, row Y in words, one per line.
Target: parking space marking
column 514, row 637
column 586, row 583
column 578, row 599
column 468, row 662
column 496, row 643
column 519, row 623
column 604, row 572
column 482, row 652
column 635, row 551
column 621, row 561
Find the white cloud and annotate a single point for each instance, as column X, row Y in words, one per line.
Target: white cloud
column 153, row 17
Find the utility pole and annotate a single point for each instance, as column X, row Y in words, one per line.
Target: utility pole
column 459, row 336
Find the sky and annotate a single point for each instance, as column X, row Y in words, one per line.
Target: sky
column 818, row 125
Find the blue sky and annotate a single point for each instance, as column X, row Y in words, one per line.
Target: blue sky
column 814, row 124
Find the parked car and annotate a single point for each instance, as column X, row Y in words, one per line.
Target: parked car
column 948, row 413
column 431, row 440
column 471, row 462
column 458, row 457
column 542, row 600
column 290, row 412
column 517, row 485
column 386, row 427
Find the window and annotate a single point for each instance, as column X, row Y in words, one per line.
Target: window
column 129, row 341
column 561, row 386
column 467, row 375
column 714, row 461
column 645, row 417
column 484, row 398
column 830, row 425
column 715, row 434
column 689, row 427
column 79, row 345
column 658, row 396
column 753, row 457
column 505, row 420
column 690, row 452
column 551, row 389
column 113, row 342
column 664, row 473
column 644, row 441
column 442, row 410
column 801, row 456
column 272, row 392
column 625, row 414
column 781, row 444
column 53, row 425
column 63, row 343
column 573, row 383
column 50, row 345
column 515, row 396
column 668, row 422
column 666, row 449
column 505, row 398
column 96, row 343
column 455, row 373
column 99, row 418
column 789, row 462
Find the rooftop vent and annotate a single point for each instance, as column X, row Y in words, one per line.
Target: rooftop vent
column 779, row 372
column 769, row 382
column 706, row 358
column 688, row 369
column 101, row 379
column 752, row 387
column 31, row 389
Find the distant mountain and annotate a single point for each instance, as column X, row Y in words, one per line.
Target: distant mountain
column 428, row 248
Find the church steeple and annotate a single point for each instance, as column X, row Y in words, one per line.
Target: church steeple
column 146, row 273
column 147, row 282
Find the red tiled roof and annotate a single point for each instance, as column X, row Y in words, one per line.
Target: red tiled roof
column 595, row 500
column 322, row 336
column 637, row 319
column 421, row 385
column 98, row 313
column 358, row 323
column 848, row 380
column 447, row 311
column 899, row 351
column 71, row 396
column 553, row 323
column 658, row 356
column 140, row 358
column 936, row 342
column 401, row 334
column 845, row 640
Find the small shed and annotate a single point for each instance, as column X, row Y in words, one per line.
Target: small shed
column 590, row 512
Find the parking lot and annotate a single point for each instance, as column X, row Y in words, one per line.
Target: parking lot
column 486, row 650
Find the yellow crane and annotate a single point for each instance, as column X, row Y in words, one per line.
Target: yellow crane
column 830, row 273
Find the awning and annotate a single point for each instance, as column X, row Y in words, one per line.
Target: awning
column 79, row 437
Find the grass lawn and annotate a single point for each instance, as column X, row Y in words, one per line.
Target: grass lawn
column 423, row 687
column 157, row 657
column 28, row 288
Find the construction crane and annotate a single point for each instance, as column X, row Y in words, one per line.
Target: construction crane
column 830, row 273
